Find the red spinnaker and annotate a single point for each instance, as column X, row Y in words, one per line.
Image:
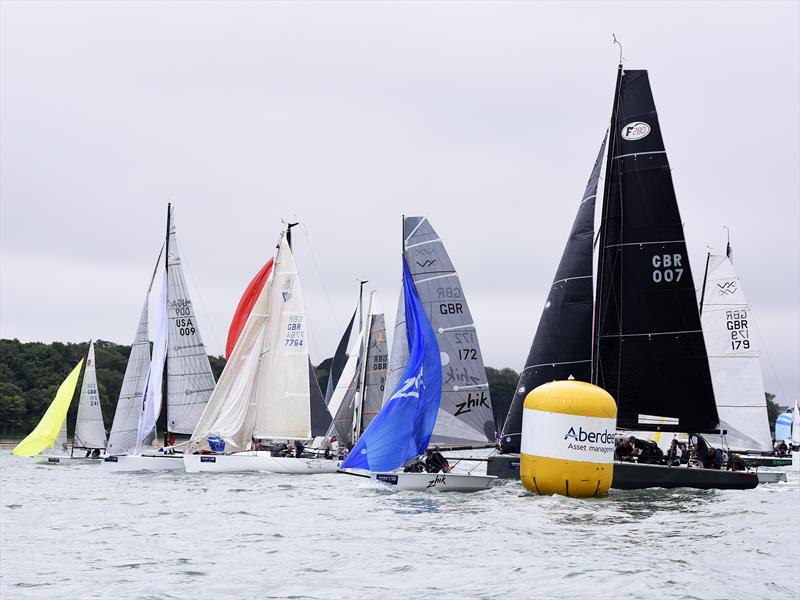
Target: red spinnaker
column 249, row 298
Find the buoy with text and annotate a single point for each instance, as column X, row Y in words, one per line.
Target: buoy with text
column 567, row 444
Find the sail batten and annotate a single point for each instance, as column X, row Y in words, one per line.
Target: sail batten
column 650, row 353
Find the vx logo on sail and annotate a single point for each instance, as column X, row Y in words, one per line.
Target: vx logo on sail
column 728, row 288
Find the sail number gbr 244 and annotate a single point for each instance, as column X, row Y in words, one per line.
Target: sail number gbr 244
column 667, row 267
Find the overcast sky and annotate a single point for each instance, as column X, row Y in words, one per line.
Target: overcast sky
column 484, row 117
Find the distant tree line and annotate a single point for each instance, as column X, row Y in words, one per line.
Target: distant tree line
column 31, row 372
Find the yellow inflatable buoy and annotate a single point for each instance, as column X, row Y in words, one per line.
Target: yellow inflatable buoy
column 567, row 444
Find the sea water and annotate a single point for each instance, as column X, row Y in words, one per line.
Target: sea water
column 78, row 532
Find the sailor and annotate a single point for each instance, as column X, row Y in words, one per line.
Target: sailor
column 96, row 453
column 781, row 449
column 625, row 450
column 417, row 466
column 435, row 462
column 299, row 448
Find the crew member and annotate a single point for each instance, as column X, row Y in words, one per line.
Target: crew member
column 435, row 462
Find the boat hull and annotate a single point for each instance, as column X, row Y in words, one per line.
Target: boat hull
column 771, row 476
column 435, row 482
column 66, row 460
column 634, row 476
column 162, row 462
column 243, row 462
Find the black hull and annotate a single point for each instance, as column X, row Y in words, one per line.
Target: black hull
column 633, row 476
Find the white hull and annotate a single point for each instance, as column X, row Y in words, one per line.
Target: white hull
column 257, row 461
column 796, row 462
column 66, row 460
column 435, row 482
column 771, row 476
column 162, row 462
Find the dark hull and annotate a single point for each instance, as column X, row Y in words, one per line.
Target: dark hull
column 632, row 476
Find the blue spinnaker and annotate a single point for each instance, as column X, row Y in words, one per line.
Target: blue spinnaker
column 403, row 427
column 783, row 426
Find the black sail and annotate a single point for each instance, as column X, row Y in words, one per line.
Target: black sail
column 320, row 417
column 562, row 346
column 339, row 360
column 649, row 354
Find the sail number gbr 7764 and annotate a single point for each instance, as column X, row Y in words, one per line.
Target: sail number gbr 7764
column 667, row 267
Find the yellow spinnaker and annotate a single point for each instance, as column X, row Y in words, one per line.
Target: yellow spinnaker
column 46, row 432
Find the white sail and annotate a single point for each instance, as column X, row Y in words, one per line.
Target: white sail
column 264, row 390
column 398, row 356
column 796, row 425
column 283, row 410
column 734, row 360
column 90, row 431
column 375, row 369
column 190, row 380
column 122, row 439
column 151, row 404
column 342, row 400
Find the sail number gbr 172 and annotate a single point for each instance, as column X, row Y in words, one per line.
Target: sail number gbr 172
column 667, row 267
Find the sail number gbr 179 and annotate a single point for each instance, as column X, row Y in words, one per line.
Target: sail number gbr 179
column 667, row 267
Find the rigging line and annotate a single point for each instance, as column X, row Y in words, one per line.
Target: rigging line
column 200, row 297
column 319, row 274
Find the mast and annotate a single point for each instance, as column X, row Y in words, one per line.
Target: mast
column 705, row 280
column 358, row 411
column 610, row 150
column 165, row 395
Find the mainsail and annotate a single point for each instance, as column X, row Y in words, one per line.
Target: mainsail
column 734, row 360
column 90, row 431
column 562, row 346
column 53, row 423
column 264, row 391
column 649, row 352
column 375, row 364
column 402, row 429
column 190, row 380
column 465, row 412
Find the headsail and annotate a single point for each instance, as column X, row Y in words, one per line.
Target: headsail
column 54, row 420
column 245, row 305
column 320, row 417
column 342, row 401
column 190, row 380
column 649, row 351
column 339, row 360
column 402, row 429
column 783, row 426
column 465, row 413
column 562, row 346
column 734, row 360
column 122, row 439
column 90, row 431
column 152, row 396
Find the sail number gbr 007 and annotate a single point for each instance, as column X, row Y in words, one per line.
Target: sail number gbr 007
column 667, row 267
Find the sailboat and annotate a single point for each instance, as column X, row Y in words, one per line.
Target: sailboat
column 184, row 391
column 51, row 431
column 640, row 336
column 90, row 430
column 267, row 391
column 437, row 395
column 733, row 358
column 357, row 393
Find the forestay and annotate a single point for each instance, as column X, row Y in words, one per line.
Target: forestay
column 465, row 413
column 90, row 431
column 734, row 360
column 189, row 377
column 562, row 346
